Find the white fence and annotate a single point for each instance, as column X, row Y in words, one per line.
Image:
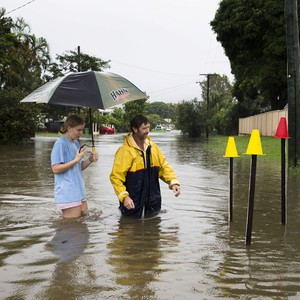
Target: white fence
column 266, row 123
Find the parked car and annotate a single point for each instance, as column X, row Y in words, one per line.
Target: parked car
column 107, row 130
column 159, row 127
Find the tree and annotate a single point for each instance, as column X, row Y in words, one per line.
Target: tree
column 25, row 58
column 74, row 61
column 155, row 120
column 164, row 110
column 252, row 34
column 23, row 61
column 191, row 117
column 117, row 119
column 131, row 109
column 18, row 122
column 220, row 116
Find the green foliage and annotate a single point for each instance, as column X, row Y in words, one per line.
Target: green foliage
column 221, row 116
column 191, row 118
column 132, row 109
column 120, row 117
column 252, row 34
column 25, row 65
column 155, row 120
column 164, row 110
column 117, row 119
column 74, row 61
column 23, row 59
column 157, row 112
column 17, row 121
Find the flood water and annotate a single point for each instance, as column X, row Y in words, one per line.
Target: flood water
column 189, row 251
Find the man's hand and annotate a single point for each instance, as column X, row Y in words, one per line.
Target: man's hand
column 176, row 189
column 128, row 203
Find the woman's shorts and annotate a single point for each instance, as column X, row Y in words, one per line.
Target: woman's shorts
column 70, row 204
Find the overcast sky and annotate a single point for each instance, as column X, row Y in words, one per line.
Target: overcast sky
column 160, row 45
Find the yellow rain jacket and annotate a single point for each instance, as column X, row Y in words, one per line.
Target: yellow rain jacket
column 136, row 173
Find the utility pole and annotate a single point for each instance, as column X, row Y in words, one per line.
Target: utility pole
column 78, row 68
column 207, row 100
column 293, row 84
column 78, row 57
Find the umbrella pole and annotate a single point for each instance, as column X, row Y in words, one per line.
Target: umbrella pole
column 92, row 131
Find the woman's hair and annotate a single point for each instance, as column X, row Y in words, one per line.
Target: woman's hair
column 71, row 121
column 137, row 121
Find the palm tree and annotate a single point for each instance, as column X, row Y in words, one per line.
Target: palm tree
column 32, row 56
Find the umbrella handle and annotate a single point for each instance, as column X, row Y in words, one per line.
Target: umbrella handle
column 93, row 149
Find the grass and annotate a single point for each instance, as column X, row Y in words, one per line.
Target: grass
column 271, row 146
column 47, row 134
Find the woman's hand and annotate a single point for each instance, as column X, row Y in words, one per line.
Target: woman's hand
column 93, row 157
column 80, row 155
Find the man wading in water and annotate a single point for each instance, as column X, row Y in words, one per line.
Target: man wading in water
column 138, row 165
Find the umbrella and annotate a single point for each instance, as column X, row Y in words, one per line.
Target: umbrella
column 92, row 89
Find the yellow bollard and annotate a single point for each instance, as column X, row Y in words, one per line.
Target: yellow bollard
column 254, row 146
column 231, row 152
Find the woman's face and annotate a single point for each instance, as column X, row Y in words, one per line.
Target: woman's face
column 75, row 132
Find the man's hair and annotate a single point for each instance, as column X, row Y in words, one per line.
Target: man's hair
column 137, row 121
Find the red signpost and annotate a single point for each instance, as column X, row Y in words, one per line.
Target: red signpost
column 282, row 133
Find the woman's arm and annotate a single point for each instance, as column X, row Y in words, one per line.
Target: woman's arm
column 93, row 157
column 61, row 168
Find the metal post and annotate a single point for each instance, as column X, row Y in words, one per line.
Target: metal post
column 293, row 77
column 78, row 57
column 78, row 69
column 207, row 107
column 207, row 101
column 230, row 189
column 283, row 198
column 251, row 200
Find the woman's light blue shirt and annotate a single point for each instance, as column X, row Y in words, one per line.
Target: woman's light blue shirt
column 68, row 186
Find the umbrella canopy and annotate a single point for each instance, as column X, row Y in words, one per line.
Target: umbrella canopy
column 93, row 89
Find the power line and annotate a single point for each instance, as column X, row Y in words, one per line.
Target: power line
column 161, row 92
column 174, row 87
column 155, row 71
column 19, row 7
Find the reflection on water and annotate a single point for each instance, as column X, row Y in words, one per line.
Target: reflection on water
column 136, row 253
column 189, row 251
column 69, row 242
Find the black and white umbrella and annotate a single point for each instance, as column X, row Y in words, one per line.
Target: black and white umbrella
column 92, row 89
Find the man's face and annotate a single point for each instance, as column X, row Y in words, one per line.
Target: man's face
column 142, row 131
